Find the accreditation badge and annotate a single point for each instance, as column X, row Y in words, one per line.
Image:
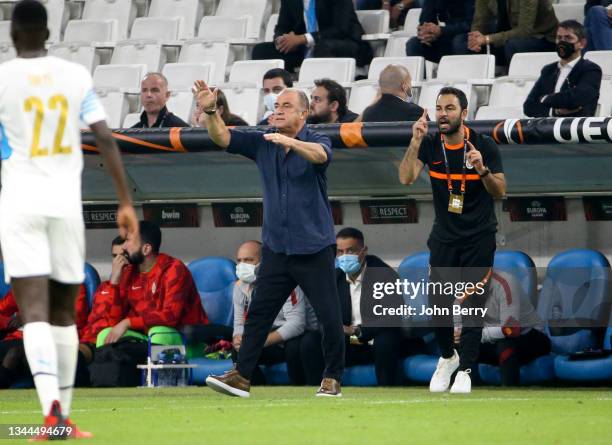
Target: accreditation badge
column 455, row 203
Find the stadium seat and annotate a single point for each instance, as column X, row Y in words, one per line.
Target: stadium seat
column 207, row 367
column 374, row 21
column 199, row 51
column 213, row 27
column 521, row 267
column 92, row 281
column 359, row 375
column 605, row 98
column 190, row 10
column 428, row 94
column 181, row 103
column 589, row 370
column 342, row 70
column 7, row 52
column 147, row 52
column 530, row 64
column 269, row 36
column 539, row 371
column 215, row 278
column 4, row 287
column 161, row 29
column 603, row 59
column 5, row 31
column 57, row 16
column 81, row 53
column 181, row 76
column 487, row 112
column 91, row 31
column 415, row 268
column 131, row 119
column 510, row 91
column 244, row 101
column 258, row 10
column 569, row 11
column 415, row 65
column 115, row 104
column 252, row 71
column 124, row 12
column 277, row 374
column 476, row 66
column 363, row 94
column 396, row 45
column 124, row 77
column 420, row 367
column 574, row 290
column 412, row 22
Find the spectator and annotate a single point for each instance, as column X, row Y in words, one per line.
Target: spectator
column 153, row 95
column 283, row 341
column 512, row 26
column 328, row 104
column 275, row 81
column 569, row 87
column 223, row 110
column 598, row 23
column 513, row 334
column 154, row 289
column 394, row 103
column 308, row 28
column 443, row 29
column 13, row 363
column 367, row 342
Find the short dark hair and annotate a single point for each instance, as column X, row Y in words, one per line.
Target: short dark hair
column 150, row 233
column 351, row 232
column 30, row 16
column 117, row 241
column 279, row 72
column 463, row 102
column 335, row 92
column 575, row 27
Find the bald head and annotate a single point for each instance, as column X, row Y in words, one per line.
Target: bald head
column 249, row 252
column 301, row 100
column 395, row 79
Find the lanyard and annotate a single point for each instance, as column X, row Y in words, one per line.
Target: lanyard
column 447, row 166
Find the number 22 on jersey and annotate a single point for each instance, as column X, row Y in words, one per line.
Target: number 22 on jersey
column 36, row 105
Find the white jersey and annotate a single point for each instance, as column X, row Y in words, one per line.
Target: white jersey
column 42, row 102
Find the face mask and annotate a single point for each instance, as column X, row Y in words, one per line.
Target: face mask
column 565, row 49
column 270, row 100
column 348, row 263
column 246, row 272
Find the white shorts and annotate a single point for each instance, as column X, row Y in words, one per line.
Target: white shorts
column 35, row 245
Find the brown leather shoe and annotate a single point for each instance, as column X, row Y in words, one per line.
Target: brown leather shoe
column 329, row 388
column 231, row 383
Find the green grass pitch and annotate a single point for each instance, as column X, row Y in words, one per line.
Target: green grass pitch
column 290, row 415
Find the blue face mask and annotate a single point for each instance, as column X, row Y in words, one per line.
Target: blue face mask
column 348, row 263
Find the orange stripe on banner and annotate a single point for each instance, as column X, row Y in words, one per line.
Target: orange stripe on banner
column 520, row 131
column 495, row 132
column 90, row 148
column 351, row 135
column 454, row 177
column 175, row 139
column 123, row 137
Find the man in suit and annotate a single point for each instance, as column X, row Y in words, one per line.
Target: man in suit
column 315, row 28
column 569, row 87
column 394, row 103
column 370, row 338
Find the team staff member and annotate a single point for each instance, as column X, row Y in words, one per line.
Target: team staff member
column 298, row 232
column 466, row 175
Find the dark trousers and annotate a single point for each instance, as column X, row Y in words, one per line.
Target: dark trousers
column 384, row 353
column 288, row 351
column 207, row 333
column 278, row 275
column 467, row 263
column 323, row 48
column 503, row 54
column 442, row 47
column 512, row 353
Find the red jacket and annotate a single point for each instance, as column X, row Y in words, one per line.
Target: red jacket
column 8, row 308
column 104, row 313
column 164, row 296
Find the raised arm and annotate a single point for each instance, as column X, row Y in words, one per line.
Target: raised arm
column 411, row 165
column 207, row 101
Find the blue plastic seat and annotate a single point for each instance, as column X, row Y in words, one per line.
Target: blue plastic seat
column 4, row 287
column 92, row 281
column 521, row 267
column 215, row 278
column 360, row 375
column 207, row 367
column 592, row 370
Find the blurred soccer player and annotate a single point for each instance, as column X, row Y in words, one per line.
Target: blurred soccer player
column 42, row 99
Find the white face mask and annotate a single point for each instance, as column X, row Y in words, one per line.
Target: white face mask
column 269, row 101
column 246, row 272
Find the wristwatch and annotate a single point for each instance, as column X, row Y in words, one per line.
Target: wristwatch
column 486, row 172
column 211, row 111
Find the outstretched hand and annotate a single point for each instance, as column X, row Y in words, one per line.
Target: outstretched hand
column 420, row 127
column 205, row 97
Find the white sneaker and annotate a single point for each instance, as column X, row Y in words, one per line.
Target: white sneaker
column 440, row 381
column 463, row 383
